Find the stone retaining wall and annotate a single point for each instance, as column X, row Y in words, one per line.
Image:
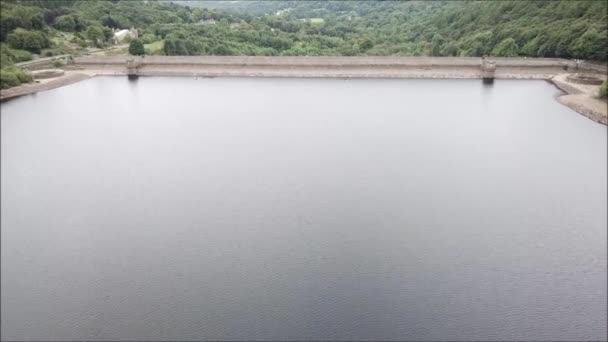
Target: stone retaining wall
column 404, row 67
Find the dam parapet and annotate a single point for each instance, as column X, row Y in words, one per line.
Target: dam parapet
column 340, row 67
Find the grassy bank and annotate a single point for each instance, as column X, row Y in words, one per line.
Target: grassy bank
column 10, row 75
column 13, row 76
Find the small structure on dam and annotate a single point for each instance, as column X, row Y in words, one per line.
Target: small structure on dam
column 488, row 68
column 132, row 67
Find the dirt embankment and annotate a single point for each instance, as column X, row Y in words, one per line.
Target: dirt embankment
column 583, row 98
column 42, row 85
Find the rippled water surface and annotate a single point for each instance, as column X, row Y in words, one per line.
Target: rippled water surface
column 183, row 209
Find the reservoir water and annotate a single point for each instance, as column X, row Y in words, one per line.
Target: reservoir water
column 302, row 209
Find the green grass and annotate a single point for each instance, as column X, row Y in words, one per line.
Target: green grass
column 155, row 48
column 316, row 21
column 13, row 76
column 117, row 52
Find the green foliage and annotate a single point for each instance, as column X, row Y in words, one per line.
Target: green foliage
column 506, row 48
column 437, row 44
column 567, row 29
column 65, row 23
column 108, row 35
column 148, row 38
column 8, row 79
column 136, row 47
column 366, row 44
column 155, row 48
column 11, row 76
column 98, row 35
column 13, row 17
column 591, row 44
column 5, row 60
column 32, row 41
column 79, row 39
column 10, row 56
column 604, row 90
column 20, row 55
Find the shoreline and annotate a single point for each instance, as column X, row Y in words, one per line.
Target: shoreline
column 578, row 97
column 42, row 85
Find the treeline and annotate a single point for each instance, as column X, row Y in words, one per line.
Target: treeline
column 532, row 28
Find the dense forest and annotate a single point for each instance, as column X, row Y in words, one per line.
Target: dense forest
column 535, row 28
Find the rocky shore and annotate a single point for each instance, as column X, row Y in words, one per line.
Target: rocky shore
column 582, row 98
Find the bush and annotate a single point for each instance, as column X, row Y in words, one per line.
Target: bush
column 5, row 60
column 20, row 55
column 65, row 23
column 32, row 41
column 95, row 35
column 148, row 38
column 136, row 47
column 604, row 90
column 81, row 42
column 8, row 79
column 9, row 56
column 22, row 76
column 11, row 77
column 506, row 48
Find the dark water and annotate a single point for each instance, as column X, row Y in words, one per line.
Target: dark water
column 180, row 209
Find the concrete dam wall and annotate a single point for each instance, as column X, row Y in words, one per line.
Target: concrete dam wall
column 342, row 67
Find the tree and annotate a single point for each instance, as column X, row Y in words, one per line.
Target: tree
column 566, row 29
column 437, row 45
column 95, row 34
column 478, row 44
column 366, row 44
column 110, row 21
column 7, row 24
column 148, row 38
column 107, row 34
column 136, row 47
column 13, row 55
column 506, row 48
column 65, row 23
column 592, row 45
column 50, row 15
column 531, row 47
column 32, row 41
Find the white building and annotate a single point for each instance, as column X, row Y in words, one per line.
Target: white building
column 121, row 36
